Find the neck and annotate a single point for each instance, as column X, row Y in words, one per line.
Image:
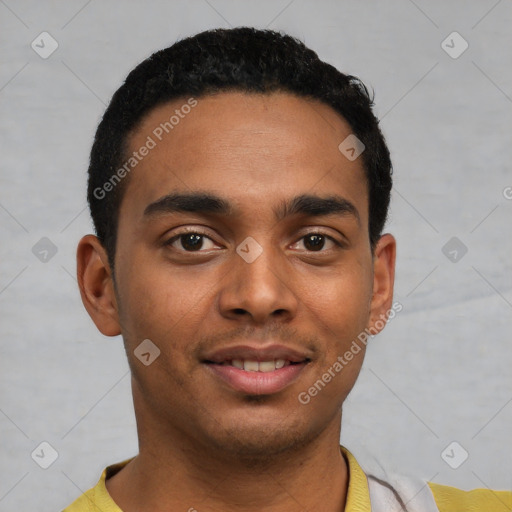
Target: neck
column 175, row 472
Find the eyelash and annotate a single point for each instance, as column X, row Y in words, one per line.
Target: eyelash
column 198, row 232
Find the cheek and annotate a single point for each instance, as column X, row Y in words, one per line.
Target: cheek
column 340, row 302
column 340, row 307
column 165, row 303
column 157, row 305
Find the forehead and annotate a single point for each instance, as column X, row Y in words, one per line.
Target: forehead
column 245, row 146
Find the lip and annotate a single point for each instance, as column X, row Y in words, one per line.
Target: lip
column 257, row 383
column 257, row 352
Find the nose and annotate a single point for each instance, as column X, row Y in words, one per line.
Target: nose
column 259, row 291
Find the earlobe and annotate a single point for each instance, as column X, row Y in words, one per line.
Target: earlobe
column 383, row 281
column 96, row 285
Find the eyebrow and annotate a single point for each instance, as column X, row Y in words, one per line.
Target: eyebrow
column 205, row 203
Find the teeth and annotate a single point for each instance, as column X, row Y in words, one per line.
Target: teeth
column 267, row 366
column 258, row 366
column 251, row 366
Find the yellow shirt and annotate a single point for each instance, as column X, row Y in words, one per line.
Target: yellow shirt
column 447, row 499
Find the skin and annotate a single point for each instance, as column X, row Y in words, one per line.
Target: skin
column 202, row 444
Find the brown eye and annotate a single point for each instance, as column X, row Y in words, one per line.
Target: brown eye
column 314, row 242
column 191, row 241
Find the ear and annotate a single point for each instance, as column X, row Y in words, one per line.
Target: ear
column 383, row 281
column 96, row 285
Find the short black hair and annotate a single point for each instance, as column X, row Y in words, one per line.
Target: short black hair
column 222, row 60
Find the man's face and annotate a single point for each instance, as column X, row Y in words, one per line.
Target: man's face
column 203, row 299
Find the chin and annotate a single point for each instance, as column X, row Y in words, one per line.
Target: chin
column 259, row 440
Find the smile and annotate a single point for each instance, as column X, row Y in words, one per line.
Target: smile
column 253, row 369
column 258, row 366
column 261, row 381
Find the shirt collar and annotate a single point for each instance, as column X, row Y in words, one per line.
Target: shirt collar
column 358, row 495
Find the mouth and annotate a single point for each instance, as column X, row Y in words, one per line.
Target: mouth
column 257, row 371
column 249, row 365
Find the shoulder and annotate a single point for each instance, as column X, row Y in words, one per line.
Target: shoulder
column 450, row 499
column 98, row 499
column 85, row 503
column 399, row 492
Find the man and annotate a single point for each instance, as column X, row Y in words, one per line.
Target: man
column 239, row 187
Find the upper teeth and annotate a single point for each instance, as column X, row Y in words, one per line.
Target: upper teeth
column 259, row 366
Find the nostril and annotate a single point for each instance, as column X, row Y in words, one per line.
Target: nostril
column 239, row 311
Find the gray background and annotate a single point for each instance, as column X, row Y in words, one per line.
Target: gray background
column 440, row 372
